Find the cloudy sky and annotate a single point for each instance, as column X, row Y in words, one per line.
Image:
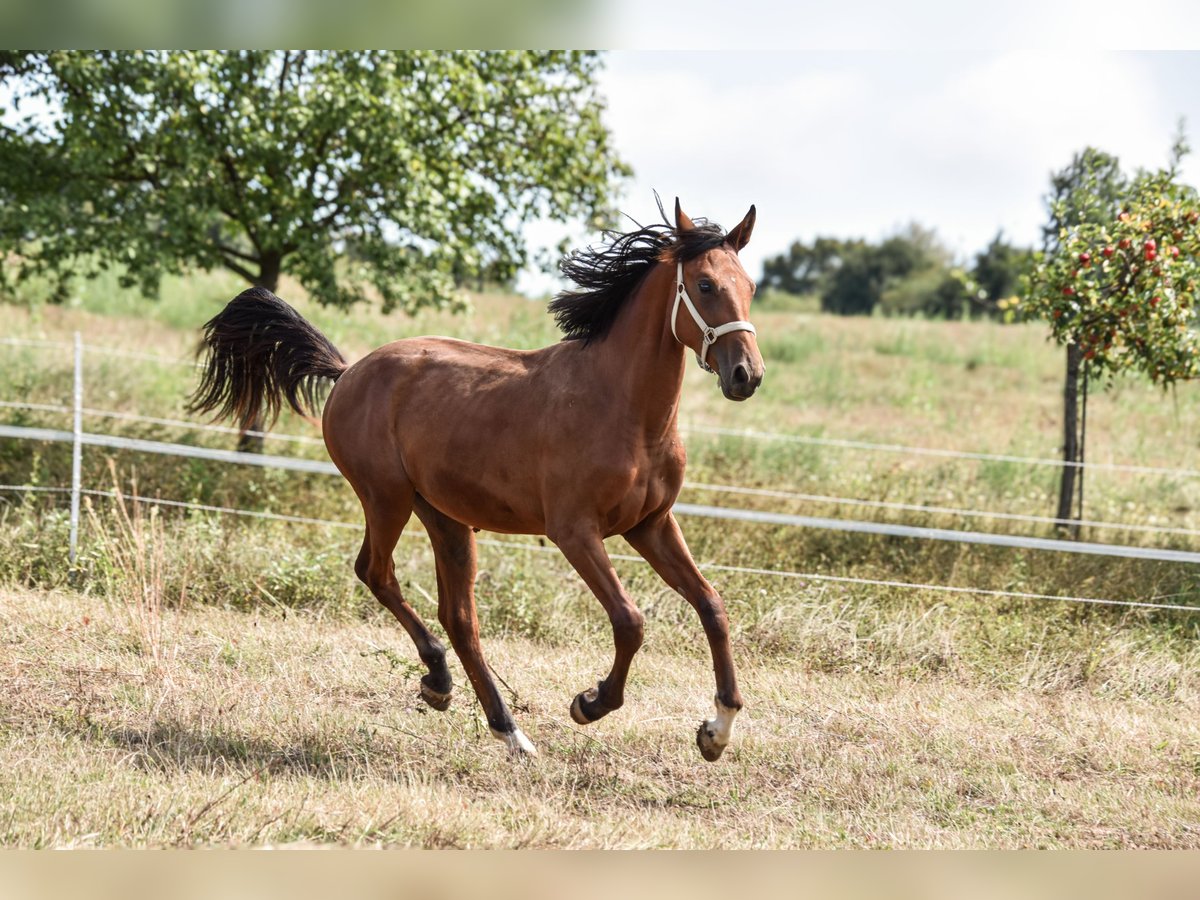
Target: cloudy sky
column 858, row 143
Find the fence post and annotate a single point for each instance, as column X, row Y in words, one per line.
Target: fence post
column 76, row 448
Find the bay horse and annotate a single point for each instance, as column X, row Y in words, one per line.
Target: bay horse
column 577, row 441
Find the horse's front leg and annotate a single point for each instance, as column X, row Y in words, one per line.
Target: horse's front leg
column 584, row 549
column 661, row 543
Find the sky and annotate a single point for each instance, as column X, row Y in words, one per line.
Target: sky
column 857, row 143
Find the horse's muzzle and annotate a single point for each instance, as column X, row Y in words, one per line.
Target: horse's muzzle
column 741, row 382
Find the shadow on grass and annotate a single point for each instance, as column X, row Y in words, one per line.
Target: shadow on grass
column 169, row 747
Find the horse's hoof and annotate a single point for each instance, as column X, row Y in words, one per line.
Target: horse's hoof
column 519, row 746
column 436, row 699
column 585, row 710
column 706, row 741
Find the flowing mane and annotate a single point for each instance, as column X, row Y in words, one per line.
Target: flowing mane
column 607, row 274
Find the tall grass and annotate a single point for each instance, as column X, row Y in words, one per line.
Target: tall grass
column 130, row 553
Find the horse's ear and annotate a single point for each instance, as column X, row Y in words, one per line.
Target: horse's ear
column 682, row 221
column 739, row 237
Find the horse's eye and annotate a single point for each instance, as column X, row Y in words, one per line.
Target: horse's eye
column 705, row 286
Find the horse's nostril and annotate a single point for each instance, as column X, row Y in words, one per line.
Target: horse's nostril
column 740, row 374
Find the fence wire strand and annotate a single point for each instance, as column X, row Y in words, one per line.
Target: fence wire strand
column 774, row 493
column 745, row 433
column 625, row 557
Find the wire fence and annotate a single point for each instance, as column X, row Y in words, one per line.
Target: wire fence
column 510, row 545
column 693, row 428
column 752, row 434
column 79, row 438
column 771, row 493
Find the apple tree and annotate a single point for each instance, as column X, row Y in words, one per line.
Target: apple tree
column 1118, row 286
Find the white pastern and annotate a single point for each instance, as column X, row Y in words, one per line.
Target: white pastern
column 722, row 726
column 517, row 743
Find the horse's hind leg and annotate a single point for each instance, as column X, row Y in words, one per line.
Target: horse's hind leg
column 454, row 551
column 387, row 514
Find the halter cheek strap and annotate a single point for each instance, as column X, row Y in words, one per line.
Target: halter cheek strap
column 709, row 333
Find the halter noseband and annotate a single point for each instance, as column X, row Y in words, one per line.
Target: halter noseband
column 709, row 333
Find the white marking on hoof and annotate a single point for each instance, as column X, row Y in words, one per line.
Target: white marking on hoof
column 518, row 745
column 714, row 734
column 722, row 725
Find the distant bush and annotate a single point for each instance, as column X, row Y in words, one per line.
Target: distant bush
column 909, row 273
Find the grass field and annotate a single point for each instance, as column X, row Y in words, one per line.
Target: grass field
column 261, row 728
column 263, row 698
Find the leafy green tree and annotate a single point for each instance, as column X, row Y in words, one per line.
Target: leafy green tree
column 1117, row 284
column 805, row 269
column 391, row 172
column 997, row 273
column 935, row 291
column 869, row 272
column 854, row 288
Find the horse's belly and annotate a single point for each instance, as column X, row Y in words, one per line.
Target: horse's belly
column 489, row 499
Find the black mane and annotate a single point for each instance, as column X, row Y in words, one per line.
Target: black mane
column 607, row 274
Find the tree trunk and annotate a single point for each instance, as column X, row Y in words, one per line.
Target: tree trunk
column 268, row 278
column 1066, row 487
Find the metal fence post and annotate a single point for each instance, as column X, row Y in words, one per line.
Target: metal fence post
column 76, row 448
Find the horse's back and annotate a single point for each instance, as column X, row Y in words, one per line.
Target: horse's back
column 416, row 371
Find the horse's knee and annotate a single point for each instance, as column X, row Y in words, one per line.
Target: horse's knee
column 628, row 626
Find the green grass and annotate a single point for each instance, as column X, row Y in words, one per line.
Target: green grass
column 852, row 684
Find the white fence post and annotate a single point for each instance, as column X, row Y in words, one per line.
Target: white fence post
column 77, row 448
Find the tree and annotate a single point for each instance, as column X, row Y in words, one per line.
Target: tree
column 997, row 273
column 1091, row 186
column 805, row 269
column 1118, row 284
column 868, row 271
column 909, row 273
column 271, row 162
column 350, row 171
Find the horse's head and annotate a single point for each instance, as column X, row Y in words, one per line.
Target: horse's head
column 716, row 291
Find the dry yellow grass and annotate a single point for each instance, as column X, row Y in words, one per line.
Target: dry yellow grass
column 266, row 729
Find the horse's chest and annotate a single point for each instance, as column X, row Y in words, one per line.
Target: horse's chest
column 653, row 485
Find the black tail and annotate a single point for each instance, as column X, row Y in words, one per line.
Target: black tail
column 260, row 353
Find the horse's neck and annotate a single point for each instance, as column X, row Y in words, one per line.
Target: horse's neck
column 642, row 354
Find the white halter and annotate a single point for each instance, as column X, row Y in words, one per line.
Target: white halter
column 710, row 334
